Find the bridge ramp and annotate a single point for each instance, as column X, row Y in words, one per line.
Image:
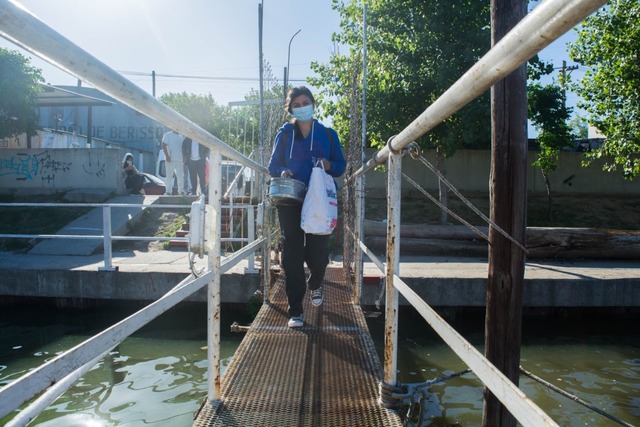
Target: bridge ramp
column 326, row 373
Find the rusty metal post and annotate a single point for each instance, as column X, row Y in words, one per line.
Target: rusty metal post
column 358, row 261
column 213, row 290
column 394, row 186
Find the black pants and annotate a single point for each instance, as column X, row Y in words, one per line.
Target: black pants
column 300, row 247
column 134, row 182
column 197, row 173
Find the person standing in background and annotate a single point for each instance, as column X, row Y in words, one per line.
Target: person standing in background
column 174, row 164
column 195, row 155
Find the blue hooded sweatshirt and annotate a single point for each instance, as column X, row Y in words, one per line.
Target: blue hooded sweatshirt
column 299, row 154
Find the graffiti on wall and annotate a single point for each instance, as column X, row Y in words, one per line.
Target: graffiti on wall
column 95, row 166
column 30, row 167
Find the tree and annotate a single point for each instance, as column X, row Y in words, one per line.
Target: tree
column 608, row 44
column 415, row 51
column 549, row 114
column 19, row 86
column 579, row 127
column 203, row 111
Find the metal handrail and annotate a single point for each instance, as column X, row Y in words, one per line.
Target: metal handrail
column 525, row 411
column 25, row 30
column 107, row 236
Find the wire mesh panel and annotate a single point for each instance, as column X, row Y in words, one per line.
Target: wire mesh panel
column 323, row 374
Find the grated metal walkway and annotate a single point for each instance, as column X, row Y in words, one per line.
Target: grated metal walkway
column 326, row 373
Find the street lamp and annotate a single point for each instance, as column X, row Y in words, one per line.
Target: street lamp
column 286, row 70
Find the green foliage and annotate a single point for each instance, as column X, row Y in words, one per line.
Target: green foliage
column 203, row 111
column 415, row 51
column 608, row 45
column 579, row 127
column 549, row 114
column 19, row 86
column 237, row 126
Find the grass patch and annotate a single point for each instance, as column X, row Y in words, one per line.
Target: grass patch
column 153, row 223
column 34, row 220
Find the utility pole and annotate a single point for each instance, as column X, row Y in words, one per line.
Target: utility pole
column 508, row 186
column 563, row 72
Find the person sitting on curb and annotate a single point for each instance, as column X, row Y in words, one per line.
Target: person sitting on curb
column 134, row 179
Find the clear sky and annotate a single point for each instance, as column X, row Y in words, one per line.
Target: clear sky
column 215, row 38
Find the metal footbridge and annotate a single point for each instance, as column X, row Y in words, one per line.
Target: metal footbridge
column 326, row 373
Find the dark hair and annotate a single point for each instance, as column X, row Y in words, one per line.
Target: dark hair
column 293, row 94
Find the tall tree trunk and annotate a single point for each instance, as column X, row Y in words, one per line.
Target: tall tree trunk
column 443, row 191
column 547, row 184
column 503, row 321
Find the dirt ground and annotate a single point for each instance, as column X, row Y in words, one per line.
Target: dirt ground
column 621, row 213
column 581, row 212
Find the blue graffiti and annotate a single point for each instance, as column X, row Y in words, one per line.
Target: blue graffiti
column 27, row 167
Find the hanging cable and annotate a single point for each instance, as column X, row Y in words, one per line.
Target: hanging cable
column 468, row 203
column 574, row 398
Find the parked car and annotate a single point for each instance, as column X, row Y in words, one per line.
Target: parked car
column 152, row 186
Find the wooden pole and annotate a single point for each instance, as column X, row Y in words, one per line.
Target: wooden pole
column 508, row 184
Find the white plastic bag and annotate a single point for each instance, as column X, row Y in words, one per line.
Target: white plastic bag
column 320, row 207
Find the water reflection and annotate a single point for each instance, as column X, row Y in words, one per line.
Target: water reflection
column 594, row 359
column 158, row 377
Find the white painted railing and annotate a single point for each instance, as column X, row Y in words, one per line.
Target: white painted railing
column 107, row 235
column 548, row 21
column 25, row 30
column 57, row 369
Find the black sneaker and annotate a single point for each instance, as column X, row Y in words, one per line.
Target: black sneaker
column 317, row 297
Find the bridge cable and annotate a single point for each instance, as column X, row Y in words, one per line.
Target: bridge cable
column 415, row 154
column 574, row 398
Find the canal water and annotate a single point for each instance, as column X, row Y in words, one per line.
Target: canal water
column 158, row 376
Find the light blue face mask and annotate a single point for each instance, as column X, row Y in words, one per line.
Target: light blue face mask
column 303, row 114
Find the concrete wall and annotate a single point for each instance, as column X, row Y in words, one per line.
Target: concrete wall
column 39, row 171
column 48, row 170
column 468, row 171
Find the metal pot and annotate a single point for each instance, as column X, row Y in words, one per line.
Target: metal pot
column 286, row 191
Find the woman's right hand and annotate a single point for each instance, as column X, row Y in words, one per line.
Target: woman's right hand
column 286, row 173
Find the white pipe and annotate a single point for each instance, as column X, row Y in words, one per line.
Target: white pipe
column 546, row 22
column 106, row 227
column 34, row 409
column 26, row 387
column 21, row 27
